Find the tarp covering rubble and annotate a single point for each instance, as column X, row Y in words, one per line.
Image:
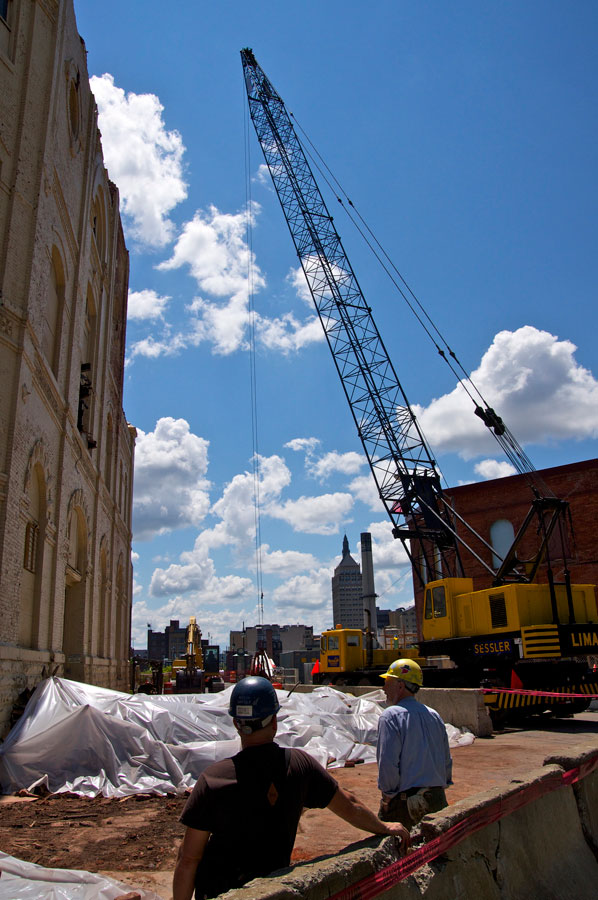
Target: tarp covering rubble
column 28, row 881
column 90, row 740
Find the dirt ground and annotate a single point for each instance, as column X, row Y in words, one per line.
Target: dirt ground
column 135, row 840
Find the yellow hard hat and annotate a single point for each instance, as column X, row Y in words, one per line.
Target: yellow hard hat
column 405, row 670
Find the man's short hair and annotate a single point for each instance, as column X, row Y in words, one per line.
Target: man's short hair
column 411, row 687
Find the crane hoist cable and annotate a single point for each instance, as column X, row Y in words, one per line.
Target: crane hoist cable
column 505, row 438
column 251, row 316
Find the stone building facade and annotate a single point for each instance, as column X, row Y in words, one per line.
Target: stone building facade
column 66, row 450
column 497, row 508
column 347, row 592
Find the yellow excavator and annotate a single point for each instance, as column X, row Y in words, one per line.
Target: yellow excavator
column 188, row 671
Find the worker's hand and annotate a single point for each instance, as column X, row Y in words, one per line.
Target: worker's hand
column 401, row 833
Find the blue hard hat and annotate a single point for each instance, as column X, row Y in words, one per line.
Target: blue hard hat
column 253, row 698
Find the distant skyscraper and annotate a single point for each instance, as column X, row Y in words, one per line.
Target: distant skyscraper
column 347, row 593
column 367, row 579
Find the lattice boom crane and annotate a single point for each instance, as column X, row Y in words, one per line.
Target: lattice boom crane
column 400, row 460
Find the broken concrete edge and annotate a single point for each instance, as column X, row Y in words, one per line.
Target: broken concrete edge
column 568, row 761
column 320, row 878
column 461, row 707
column 324, row 877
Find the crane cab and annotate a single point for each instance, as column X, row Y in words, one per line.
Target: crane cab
column 500, row 620
column 341, row 650
column 349, row 656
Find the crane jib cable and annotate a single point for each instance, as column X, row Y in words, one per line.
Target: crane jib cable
column 514, row 452
column 386, row 424
column 251, row 314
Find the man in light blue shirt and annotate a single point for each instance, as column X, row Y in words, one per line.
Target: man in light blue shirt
column 414, row 760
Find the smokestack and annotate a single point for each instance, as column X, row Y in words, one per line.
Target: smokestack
column 367, row 582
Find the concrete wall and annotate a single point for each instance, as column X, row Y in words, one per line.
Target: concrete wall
column 548, row 849
column 461, row 707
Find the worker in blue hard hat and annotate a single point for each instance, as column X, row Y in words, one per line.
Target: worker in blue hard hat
column 414, row 760
column 241, row 818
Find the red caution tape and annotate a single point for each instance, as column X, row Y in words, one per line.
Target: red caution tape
column 559, row 694
column 383, row 880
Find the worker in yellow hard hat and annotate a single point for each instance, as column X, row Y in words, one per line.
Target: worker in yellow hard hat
column 414, row 760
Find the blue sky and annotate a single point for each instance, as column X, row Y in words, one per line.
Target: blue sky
column 465, row 134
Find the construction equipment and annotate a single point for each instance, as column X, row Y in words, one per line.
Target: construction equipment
column 189, row 671
column 261, row 665
column 518, row 632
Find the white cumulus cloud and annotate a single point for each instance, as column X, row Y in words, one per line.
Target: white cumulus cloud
column 364, row 489
column 305, row 445
column 171, row 488
column 285, row 562
column 346, row 463
column 236, row 529
column 533, row 381
column 143, row 159
column 310, row 594
column 494, row 468
column 146, row 304
column 313, row 515
column 287, row 334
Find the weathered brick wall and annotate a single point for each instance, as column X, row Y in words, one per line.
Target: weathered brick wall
column 59, row 213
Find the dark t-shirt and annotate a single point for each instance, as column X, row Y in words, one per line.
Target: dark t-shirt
column 251, row 806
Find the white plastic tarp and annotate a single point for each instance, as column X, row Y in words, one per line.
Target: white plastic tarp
column 27, row 881
column 89, row 740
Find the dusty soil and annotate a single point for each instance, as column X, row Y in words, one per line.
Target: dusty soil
column 136, row 839
column 67, row 832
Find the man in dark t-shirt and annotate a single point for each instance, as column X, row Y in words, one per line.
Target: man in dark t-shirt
column 241, row 818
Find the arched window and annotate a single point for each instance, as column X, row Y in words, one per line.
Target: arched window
column 119, row 612
column 88, row 344
column 54, row 302
column 74, row 599
column 109, row 452
column 126, row 500
column 98, row 223
column 502, row 535
column 31, row 580
column 103, row 629
column 88, row 386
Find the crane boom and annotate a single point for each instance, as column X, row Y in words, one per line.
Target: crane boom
column 401, row 462
column 398, row 455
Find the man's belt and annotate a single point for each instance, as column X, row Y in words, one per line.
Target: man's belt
column 409, row 793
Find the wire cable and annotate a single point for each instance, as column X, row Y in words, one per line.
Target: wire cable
column 507, row 441
column 251, row 317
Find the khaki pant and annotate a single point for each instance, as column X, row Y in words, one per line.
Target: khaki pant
column 409, row 807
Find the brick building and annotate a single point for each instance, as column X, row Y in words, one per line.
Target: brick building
column 66, row 450
column 497, row 508
column 168, row 644
column 274, row 639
